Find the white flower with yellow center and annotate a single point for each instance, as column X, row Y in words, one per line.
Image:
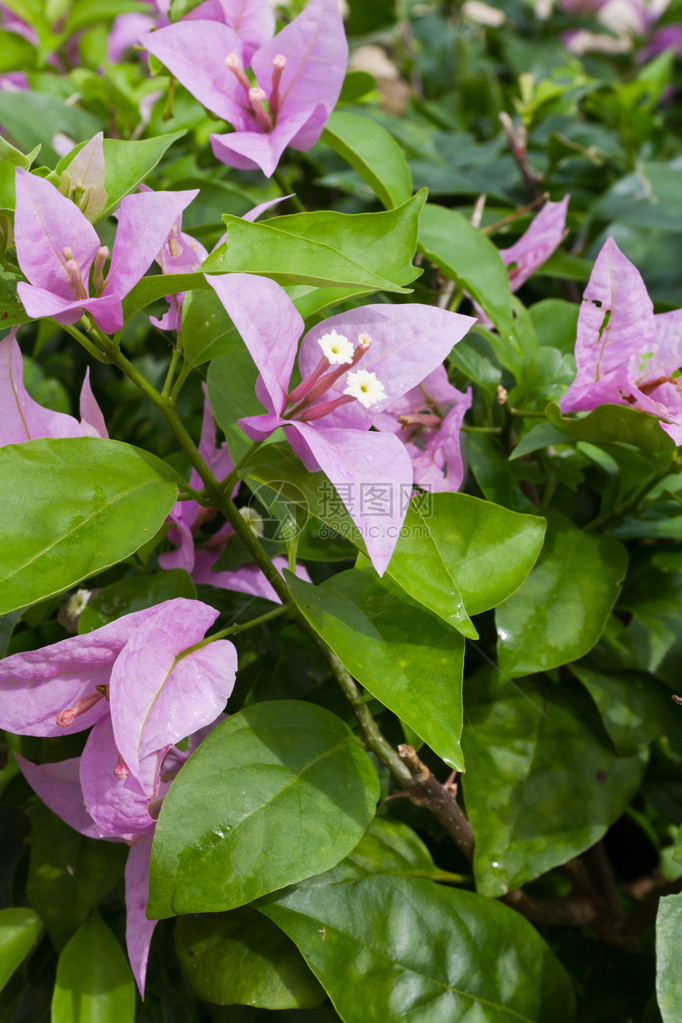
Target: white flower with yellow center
column 336, row 348
column 365, row 386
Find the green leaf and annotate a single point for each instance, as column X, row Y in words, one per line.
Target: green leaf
column 19, row 929
column 12, row 311
column 417, row 564
column 373, row 153
column 615, row 423
column 94, row 982
column 560, row 611
column 10, row 159
column 364, row 251
column 468, row 257
column 668, row 943
column 207, row 332
column 31, row 118
column 527, row 814
column 635, row 708
column 287, row 259
column 649, row 197
column 404, row 656
column 388, row 948
column 68, row 874
column 387, row 847
column 134, row 594
column 242, row 958
column 74, row 506
column 16, row 53
column 488, row 549
column 126, row 164
column 84, row 13
column 280, row 791
column 156, row 286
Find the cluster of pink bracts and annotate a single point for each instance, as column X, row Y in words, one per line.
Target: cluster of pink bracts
column 373, row 407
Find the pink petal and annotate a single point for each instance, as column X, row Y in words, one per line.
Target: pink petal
column 250, row 150
column 22, row 418
column 615, row 287
column 157, row 697
column 106, row 311
column 408, row 343
column 117, row 804
column 245, row 579
column 143, row 224
column 316, row 50
column 270, row 326
column 667, row 354
column 439, row 467
column 372, row 474
column 37, row 684
column 194, row 52
column 124, row 33
column 537, row 244
column 59, row 787
column 252, row 20
column 45, row 223
column 139, row 929
column 255, row 213
column 91, row 414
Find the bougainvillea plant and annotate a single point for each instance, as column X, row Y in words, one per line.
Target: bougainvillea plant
column 341, row 545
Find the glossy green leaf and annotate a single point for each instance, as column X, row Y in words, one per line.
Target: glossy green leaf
column 366, row 251
column 635, row 708
column 560, row 611
column 134, row 594
column 542, row 783
column 611, row 423
column 388, row 948
column 467, row 256
column 74, row 506
column 373, row 153
column 242, row 958
column 280, row 791
column 668, row 944
column 648, row 198
column 31, row 118
column 19, row 929
column 417, row 564
column 406, row 657
column 126, row 162
column 488, row 549
column 94, row 983
column 387, row 847
column 288, row 259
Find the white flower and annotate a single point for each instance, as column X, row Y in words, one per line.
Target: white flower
column 337, row 348
column 365, row 386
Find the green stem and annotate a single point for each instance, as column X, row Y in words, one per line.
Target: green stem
column 165, row 393
column 232, row 630
column 177, row 386
column 86, row 343
column 232, row 476
column 482, row 429
column 285, row 190
column 526, row 413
